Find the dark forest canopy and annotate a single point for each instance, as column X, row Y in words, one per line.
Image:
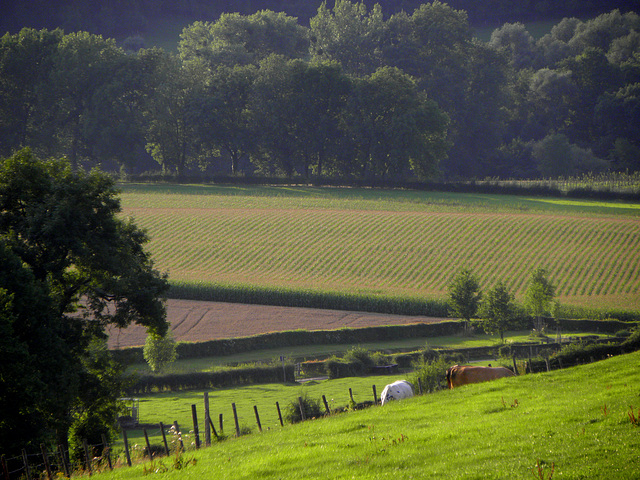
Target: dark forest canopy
column 358, row 93
column 119, row 17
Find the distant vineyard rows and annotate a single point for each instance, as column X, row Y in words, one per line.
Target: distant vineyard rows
column 592, row 260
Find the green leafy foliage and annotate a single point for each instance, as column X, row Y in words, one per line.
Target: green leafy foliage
column 498, row 310
column 159, row 351
column 70, row 266
column 464, row 295
column 312, row 407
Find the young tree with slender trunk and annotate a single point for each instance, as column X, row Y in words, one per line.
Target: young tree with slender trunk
column 498, row 310
column 539, row 296
column 465, row 295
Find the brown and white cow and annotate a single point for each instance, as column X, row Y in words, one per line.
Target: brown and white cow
column 459, row 375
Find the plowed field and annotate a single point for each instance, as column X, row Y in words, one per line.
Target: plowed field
column 193, row 321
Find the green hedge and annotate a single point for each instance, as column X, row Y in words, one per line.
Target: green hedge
column 353, row 336
column 207, row 380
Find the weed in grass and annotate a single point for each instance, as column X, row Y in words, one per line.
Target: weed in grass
column 179, row 461
column 514, row 404
column 379, row 445
column 635, row 419
column 604, row 409
column 538, row 470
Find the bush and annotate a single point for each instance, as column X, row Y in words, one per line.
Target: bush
column 361, row 355
column 505, row 351
column 431, row 374
column 312, row 409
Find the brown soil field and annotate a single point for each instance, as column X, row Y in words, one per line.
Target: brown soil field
column 195, row 321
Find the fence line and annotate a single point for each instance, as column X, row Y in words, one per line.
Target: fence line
column 51, row 463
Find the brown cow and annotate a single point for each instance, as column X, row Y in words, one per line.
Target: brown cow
column 462, row 375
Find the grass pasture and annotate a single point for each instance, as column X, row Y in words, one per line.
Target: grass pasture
column 389, row 242
column 576, row 423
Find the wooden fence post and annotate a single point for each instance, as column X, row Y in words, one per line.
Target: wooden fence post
column 301, row 405
column 351, row 395
column 235, row 418
column 179, row 433
column 221, row 426
column 207, row 430
column 164, row 440
column 213, row 428
column 146, row 440
column 45, row 459
column 106, row 449
column 419, row 386
column 326, row 405
column 375, row 396
column 255, row 409
column 126, row 446
column 515, row 365
column 63, row 459
column 85, row 445
column 25, row 460
column 196, row 432
column 5, row 470
column 279, row 414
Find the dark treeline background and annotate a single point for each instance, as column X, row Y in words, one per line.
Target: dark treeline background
column 391, row 90
column 118, row 17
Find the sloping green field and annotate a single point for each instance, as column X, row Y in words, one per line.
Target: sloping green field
column 389, row 242
column 576, row 423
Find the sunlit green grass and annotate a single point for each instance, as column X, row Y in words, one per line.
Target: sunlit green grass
column 574, row 419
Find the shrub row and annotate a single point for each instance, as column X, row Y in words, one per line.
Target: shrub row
column 353, row 336
column 207, row 380
column 579, row 353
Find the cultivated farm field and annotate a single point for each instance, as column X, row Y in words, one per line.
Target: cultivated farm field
column 389, row 242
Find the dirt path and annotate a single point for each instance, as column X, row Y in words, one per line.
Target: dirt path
column 193, row 321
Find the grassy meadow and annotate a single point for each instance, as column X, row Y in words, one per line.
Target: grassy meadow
column 576, row 423
column 395, row 243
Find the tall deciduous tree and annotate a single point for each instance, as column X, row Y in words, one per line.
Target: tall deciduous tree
column 221, row 115
column 169, row 131
column 394, row 127
column 83, row 64
column 73, row 267
column 349, row 34
column 236, row 39
column 26, row 60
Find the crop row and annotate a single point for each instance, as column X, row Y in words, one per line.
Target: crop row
column 393, row 252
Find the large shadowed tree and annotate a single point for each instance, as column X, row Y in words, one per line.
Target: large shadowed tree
column 71, row 266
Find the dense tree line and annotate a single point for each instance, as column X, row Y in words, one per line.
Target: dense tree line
column 359, row 93
column 118, row 17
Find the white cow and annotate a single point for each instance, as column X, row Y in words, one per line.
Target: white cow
column 396, row 391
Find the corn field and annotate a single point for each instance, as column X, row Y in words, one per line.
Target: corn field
column 408, row 244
